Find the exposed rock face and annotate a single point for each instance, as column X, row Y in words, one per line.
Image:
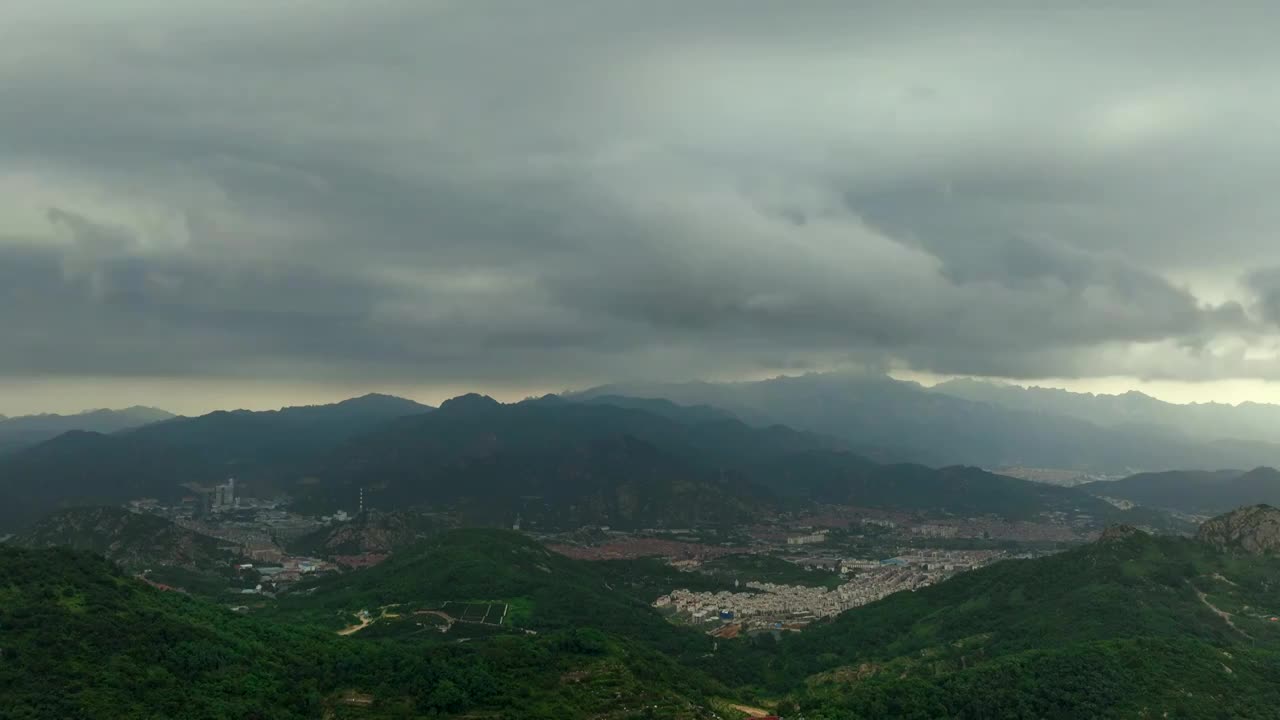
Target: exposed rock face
column 1116, row 533
column 132, row 540
column 1254, row 529
column 371, row 532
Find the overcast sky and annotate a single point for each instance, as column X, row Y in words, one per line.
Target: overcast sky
column 216, row 203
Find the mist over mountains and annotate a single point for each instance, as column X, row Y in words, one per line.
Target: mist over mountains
column 1247, row 421
column 1194, row 492
column 989, row 426
column 163, row 459
column 17, row 432
column 556, row 462
column 655, row 454
column 963, row 421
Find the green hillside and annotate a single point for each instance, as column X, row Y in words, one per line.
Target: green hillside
column 1128, row 624
column 486, row 623
column 546, row 591
column 79, row 639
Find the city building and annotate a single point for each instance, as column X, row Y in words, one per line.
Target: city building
column 820, row 536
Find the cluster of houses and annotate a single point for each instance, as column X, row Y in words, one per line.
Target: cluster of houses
column 766, row 605
column 290, row 569
column 778, row 604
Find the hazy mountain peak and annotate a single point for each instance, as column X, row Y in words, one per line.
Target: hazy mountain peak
column 25, row 431
column 548, row 399
column 471, row 402
column 382, row 401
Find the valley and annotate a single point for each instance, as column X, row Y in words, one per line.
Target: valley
column 921, row 629
column 608, row 360
column 627, row 560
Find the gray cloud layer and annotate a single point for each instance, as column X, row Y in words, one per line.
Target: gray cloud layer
column 570, row 191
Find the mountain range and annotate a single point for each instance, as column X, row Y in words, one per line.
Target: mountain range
column 165, row 459
column 1194, row 492
column 554, row 463
column 19, row 432
column 715, row 436
column 973, row 423
column 1247, row 421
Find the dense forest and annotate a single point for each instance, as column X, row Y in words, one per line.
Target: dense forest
column 1133, row 625
column 1129, row 609
column 79, row 639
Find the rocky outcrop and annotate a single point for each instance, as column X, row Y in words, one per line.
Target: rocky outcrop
column 132, row 540
column 1254, row 530
column 370, row 532
column 1118, row 533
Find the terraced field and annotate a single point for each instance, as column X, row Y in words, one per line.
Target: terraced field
column 485, row 613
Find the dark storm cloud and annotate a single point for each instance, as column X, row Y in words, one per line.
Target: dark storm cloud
column 1265, row 285
column 462, row 191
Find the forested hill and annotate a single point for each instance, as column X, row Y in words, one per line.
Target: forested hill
column 547, row 591
column 561, row 464
column 265, row 451
column 844, row 478
column 1130, row 626
column 79, row 639
column 624, row 466
column 1196, row 492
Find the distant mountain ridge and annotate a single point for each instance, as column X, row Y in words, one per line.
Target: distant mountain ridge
column 897, row 421
column 548, row 462
column 18, row 432
column 261, row 449
column 1247, row 421
column 847, row 479
column 1195, row 492
column 551, row 461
